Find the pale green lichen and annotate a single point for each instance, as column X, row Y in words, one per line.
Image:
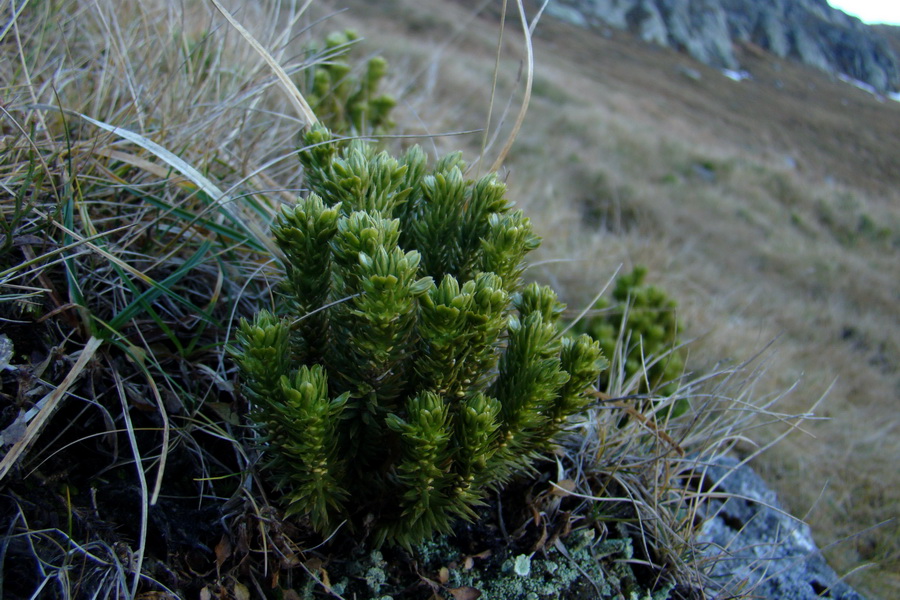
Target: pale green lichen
column 597, row 571
column 375, row 576
column 522, row 565
column 578, row 568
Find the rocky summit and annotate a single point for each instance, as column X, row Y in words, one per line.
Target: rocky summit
column 810, row 31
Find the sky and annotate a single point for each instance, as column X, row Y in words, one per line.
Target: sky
column 871, row 11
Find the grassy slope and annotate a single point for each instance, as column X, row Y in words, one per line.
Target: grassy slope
column 768, row 207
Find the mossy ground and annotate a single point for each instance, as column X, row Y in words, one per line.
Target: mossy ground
column 513, row 552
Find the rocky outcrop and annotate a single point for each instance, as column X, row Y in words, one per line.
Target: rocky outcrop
column 758, row 546
column 810, row 31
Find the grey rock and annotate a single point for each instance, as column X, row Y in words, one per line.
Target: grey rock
column 763, row 22
column 569, row 14
column 645, row 21
column 593, row 12
column 612, row 12
column 758, row 546
column 810, row 31
column 700, row 27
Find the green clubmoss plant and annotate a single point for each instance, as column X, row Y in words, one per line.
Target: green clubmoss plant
column 642, row 321
column 409, row 369
column 346, row 101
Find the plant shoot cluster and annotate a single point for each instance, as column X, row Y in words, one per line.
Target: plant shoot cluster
column 346, row 101
column 642, row 322
column 409, row 370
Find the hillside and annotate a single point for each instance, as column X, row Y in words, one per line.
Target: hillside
column 768, row 207
column 827, row 128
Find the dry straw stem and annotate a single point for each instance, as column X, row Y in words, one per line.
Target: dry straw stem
column 294, row 95
column 186, row 169
column 527, row 31
column 648, row 461
column 48, row 405
column 529, row 80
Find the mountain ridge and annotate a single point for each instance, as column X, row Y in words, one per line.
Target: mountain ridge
column 712, row 31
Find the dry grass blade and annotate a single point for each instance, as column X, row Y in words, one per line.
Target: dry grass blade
column 590, row 305
column 300, row 104
column 529, row 82
column 21, row 267
column 634, row 456
column 487, row 127
column 11, row 23
column 183, row 167
column 166, row 426
column 142, row 479
column 48, row 406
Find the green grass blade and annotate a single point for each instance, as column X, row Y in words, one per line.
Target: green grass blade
column 218, row 197
column 157, row 288
column 209, row 224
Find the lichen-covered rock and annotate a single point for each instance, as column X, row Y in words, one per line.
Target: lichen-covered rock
column 758, row 545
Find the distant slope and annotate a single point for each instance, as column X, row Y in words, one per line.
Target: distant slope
column 813, row 121
column 827, row 127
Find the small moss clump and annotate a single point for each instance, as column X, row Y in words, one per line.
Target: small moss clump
column 643, row 318
column 347, row 102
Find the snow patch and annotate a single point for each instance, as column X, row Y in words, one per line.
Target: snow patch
column 857, row 83
column 736, row 75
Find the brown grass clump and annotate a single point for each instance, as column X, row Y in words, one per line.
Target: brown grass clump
column 141, row 160
column 132, row 237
